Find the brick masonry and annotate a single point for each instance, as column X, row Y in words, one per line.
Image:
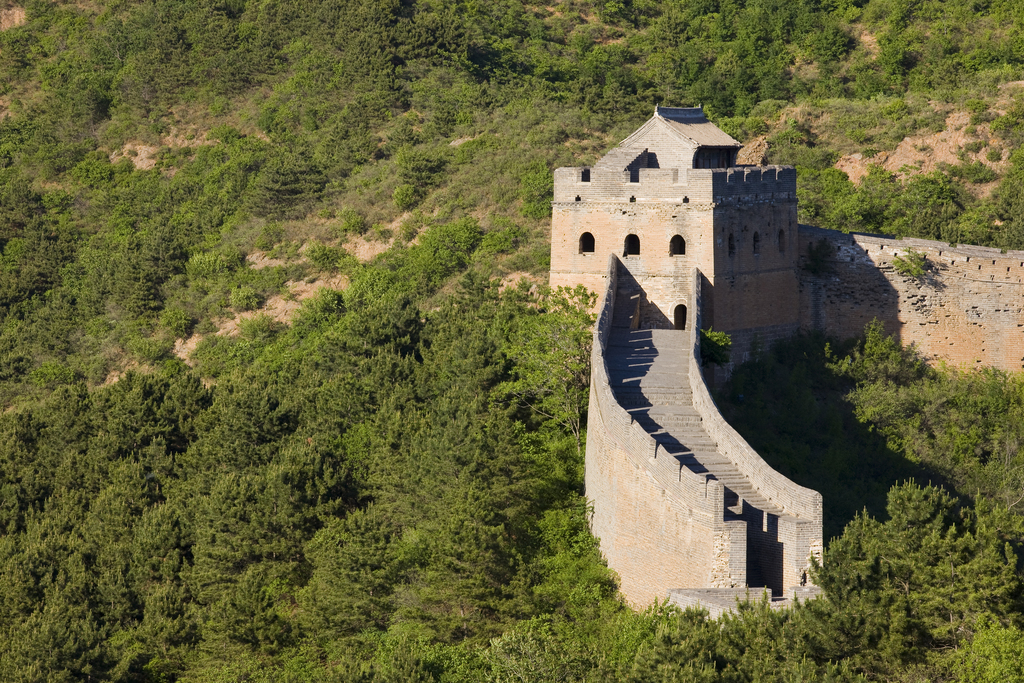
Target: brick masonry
column 967, row 309
column 743, row 266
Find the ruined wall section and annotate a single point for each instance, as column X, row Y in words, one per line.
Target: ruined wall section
column 659, row 524
column 967, row 309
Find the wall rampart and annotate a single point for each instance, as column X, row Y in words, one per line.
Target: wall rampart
column 967, row 308
column 802, row 509
column 793, row 499
column 659, row 523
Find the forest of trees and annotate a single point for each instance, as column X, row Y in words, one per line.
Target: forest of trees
column 387, row 485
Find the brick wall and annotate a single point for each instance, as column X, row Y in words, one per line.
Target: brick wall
column 967, row 309
column 799, row 528
column 660, row 525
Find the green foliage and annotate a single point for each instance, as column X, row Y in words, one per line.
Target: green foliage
column 536, row 187
column 911, row 263
column 715, row 347
column 353, row 495
column 995, row 653
column 245, row 298
column 921, row 580
column 551, row 351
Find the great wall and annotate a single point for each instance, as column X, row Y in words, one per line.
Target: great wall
column 675, row 238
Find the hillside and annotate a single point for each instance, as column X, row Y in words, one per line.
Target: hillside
column 281, row 400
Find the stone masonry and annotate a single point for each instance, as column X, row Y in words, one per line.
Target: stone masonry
column 676, row 238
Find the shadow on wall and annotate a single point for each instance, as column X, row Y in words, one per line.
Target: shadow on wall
column 650, row 316
column 841, row 289
column 790, row 405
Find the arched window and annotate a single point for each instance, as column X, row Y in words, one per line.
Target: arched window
column 632, row 199
column 680, row 317
column 676, row 246
column 732, row 246
column 632, row 246
column 757, row 244
column 782, row 241
column 686, row 200
column 586, row 243
column 578, row 198
column 585, row 176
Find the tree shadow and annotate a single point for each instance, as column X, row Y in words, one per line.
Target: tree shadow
column 791, row 408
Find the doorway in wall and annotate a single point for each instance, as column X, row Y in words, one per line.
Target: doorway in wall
column 679, row 317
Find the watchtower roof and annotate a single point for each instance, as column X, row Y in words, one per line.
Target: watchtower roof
column 687, row 125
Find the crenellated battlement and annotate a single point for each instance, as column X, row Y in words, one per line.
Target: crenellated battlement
column 676, row 238
column 965, row 308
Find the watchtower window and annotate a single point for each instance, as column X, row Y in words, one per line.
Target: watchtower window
column 632, row 246
column 782, row 241
column 732, row 246
column 585, row 176
column 757, row 244
column 679, row 316
column 676, row 246
column 586, row 243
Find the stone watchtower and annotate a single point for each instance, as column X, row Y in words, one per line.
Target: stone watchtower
column 674, row 238
column 668, row 199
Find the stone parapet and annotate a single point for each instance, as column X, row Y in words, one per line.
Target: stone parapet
column 967, row 308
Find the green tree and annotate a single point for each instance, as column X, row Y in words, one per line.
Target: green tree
column 550, row 352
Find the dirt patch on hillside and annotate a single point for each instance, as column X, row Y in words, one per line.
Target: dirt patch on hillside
column 924, row 153
column 259, row 259
column 283, row 309
column 280, row 308
column 11, row 17
column 141, row 155
column 754, row 153
column 367, row 250
column 513, row 278
column 115, row 376
column 870, row 43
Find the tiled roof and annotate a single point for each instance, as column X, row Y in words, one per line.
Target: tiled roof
column 691, row 123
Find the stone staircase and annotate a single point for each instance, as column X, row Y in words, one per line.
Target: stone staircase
column 649, row 377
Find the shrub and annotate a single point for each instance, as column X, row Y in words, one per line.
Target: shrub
column 715, row 347
column 911, row 264
column 149, row 349
column 405, row 197
column 270, row 236
column 245, row 298
column 323, row 256
column 974, row 172
column 502, row 241
column 177, row 321
column 206, row 264
column 326, row 306
column 51, row 374
column 535, row 189
column 352, row 222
